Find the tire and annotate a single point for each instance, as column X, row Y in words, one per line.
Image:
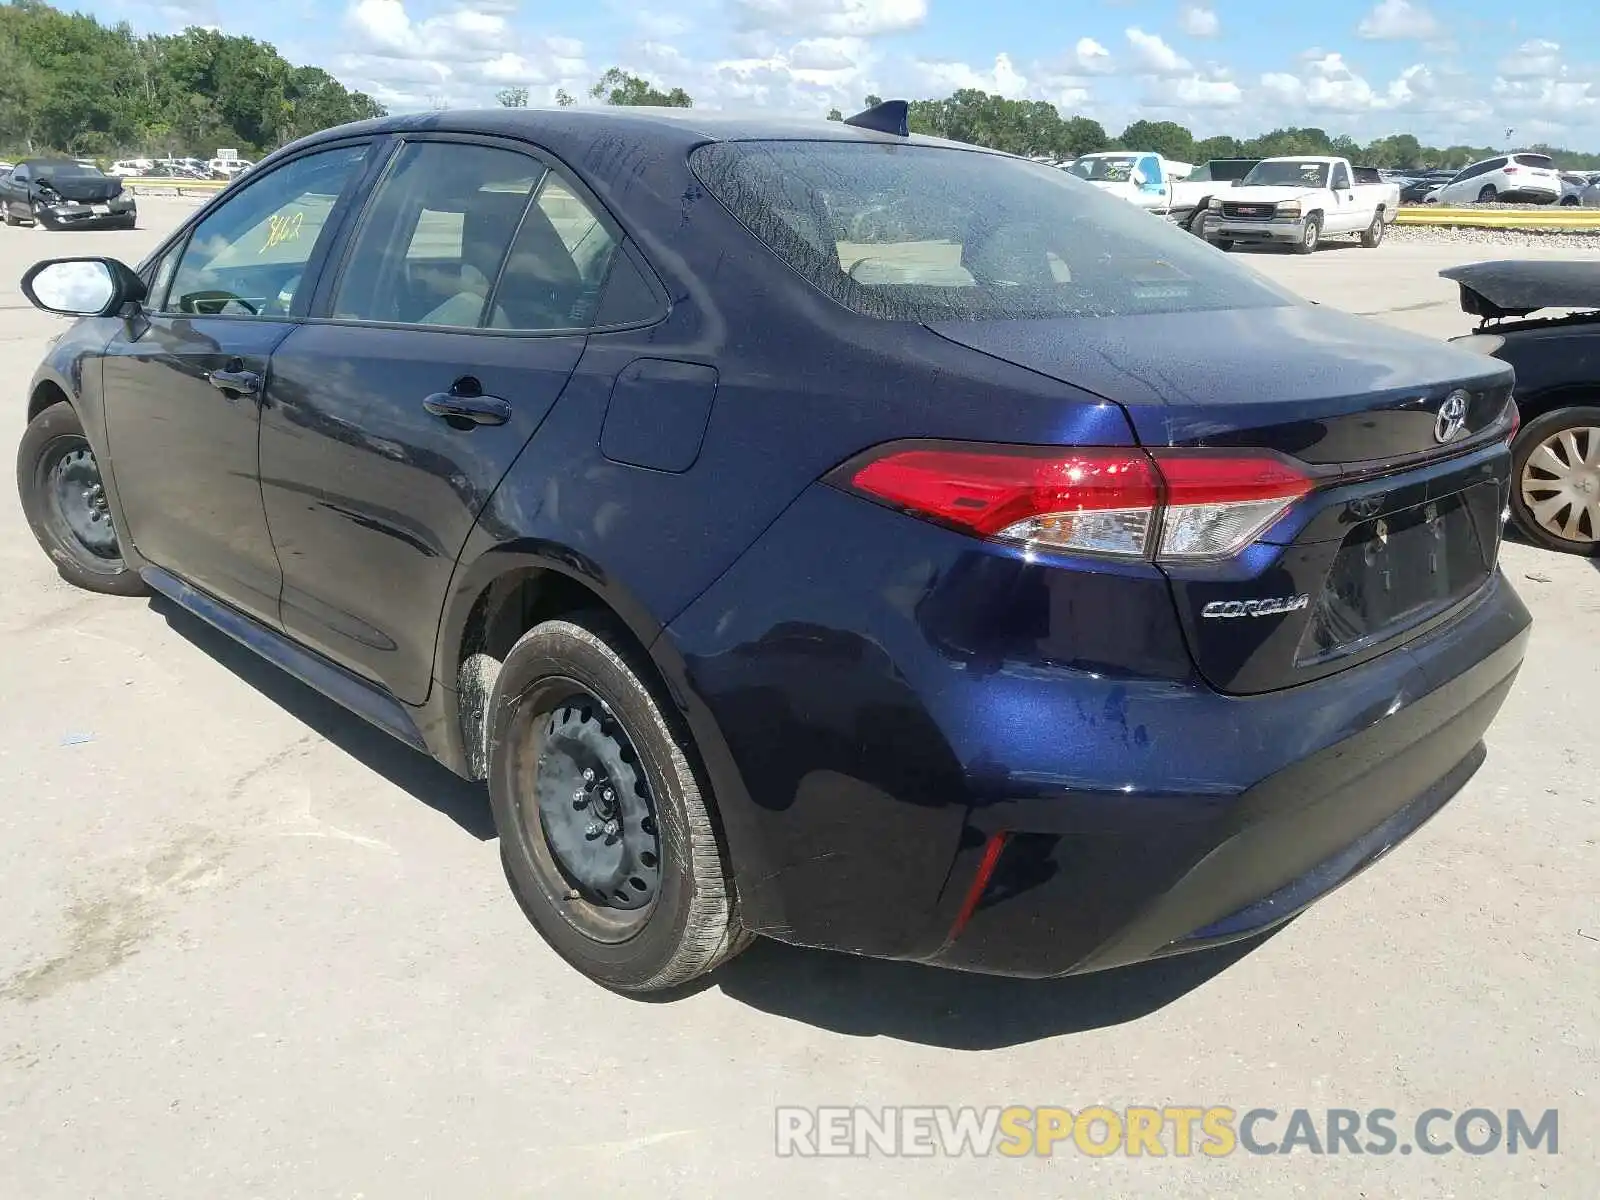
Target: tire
column 1312, row 237
column 1539, row 479
column 10, row 217
column 1372, row 235
column 50, row 468
column 1487, row 194
column 1569, row 202
column 40, row 219
column 1223, row 244
column 565, row 696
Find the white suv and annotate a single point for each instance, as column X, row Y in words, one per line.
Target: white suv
column 1508, row 179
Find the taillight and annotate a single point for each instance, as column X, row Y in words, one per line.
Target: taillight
column 1509, row 170
column 1120, row 502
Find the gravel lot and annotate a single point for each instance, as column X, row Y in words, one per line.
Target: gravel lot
column 250, row 947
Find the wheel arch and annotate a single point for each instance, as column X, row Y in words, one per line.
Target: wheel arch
column 1551, row 399
column 46, row 391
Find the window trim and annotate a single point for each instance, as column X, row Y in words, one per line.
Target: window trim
column 333, row 275
column 316, row 264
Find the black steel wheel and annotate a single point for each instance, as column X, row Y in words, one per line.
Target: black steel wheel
column 64, row 499
column 606, row 834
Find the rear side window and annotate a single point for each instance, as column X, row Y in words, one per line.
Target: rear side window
column 921, row 233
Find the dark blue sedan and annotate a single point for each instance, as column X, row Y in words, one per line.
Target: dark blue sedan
column 804, row 528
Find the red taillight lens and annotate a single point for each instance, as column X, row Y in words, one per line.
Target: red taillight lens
column 1097, row 501
column 1115, row 501
column 1509, row 170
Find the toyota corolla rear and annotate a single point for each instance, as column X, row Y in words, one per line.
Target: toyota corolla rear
column 1141, row 604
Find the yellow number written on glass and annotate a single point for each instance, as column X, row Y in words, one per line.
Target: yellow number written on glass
column 284, row 227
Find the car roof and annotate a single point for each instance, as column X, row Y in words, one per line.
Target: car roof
column 576, row 129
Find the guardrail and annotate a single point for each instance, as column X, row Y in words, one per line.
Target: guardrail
column 1555, row 217
column 144, row 185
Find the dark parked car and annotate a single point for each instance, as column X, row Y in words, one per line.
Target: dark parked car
column 1555, row 494
column 1419, row 186
column 1022, row 588
column 58, row 193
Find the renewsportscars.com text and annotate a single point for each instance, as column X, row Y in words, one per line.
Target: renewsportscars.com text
column 1018, row 1131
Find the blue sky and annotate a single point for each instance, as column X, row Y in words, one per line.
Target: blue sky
column 1447, row 70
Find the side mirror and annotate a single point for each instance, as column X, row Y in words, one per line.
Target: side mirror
column 82, row 287
column 1137, row 177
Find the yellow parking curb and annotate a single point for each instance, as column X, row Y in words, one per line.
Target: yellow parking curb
column 1555, row 217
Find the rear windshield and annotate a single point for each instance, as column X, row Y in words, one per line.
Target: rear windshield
column 1288, row 172
column 1107, row 170
column 926, row 233
column 1537, row 160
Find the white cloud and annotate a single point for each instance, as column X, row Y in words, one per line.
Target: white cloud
column 1195, row 91
column 1398, row 20
column 384, row 28
column 1534, row 59
column 826, row 54
column 1199, row 22
column 1091, row 58
column 1003, row 79
column 1327, row 84
column 1547, row 98
column 1152, row 56
column 839, row 18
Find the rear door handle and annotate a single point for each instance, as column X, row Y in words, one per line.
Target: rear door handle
column 466, row 410
column 245, row 383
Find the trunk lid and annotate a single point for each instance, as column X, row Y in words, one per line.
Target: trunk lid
column 1403, row 528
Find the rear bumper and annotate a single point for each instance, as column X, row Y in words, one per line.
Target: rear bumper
column 876, row 700
column 1262, row 857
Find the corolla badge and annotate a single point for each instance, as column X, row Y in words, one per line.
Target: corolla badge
column 1256, row 608
column 1452, row 418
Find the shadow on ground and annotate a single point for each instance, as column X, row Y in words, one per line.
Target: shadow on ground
column 866, row 997
column 839, row 992
column 467, row 804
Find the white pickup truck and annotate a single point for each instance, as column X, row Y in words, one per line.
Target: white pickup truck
column 1143, row 178
column 1300, row 201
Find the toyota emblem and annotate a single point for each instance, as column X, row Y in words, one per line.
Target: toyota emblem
column 1452, row 418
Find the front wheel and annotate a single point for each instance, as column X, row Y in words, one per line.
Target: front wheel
column 1311, row 236
column 1555, row 495
column 64, row 500
column 606, row 833
column 1222, row 243
column 1372, row 236
column 42, row 219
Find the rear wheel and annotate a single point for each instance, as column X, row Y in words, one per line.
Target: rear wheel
column 1311, row 237
column 605, row 831
column 1555, row 498
column 1487, row 194
column 64, row 500
column 1372, row 236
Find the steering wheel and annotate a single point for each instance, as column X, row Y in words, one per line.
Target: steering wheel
column 192, row 301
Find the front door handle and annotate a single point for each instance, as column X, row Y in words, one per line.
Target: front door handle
column 464, row 407
column 245, row 383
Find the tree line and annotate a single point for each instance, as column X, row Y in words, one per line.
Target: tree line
column 1037, row 129
column 70, row 84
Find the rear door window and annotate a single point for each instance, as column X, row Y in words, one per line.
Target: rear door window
column 921, row 233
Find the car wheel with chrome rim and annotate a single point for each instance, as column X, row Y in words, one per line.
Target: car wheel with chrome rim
column 1555, row 495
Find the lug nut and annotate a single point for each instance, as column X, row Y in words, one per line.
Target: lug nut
column 611, row 827
column 588, row 774
column 609, row 795
column 580, row 800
